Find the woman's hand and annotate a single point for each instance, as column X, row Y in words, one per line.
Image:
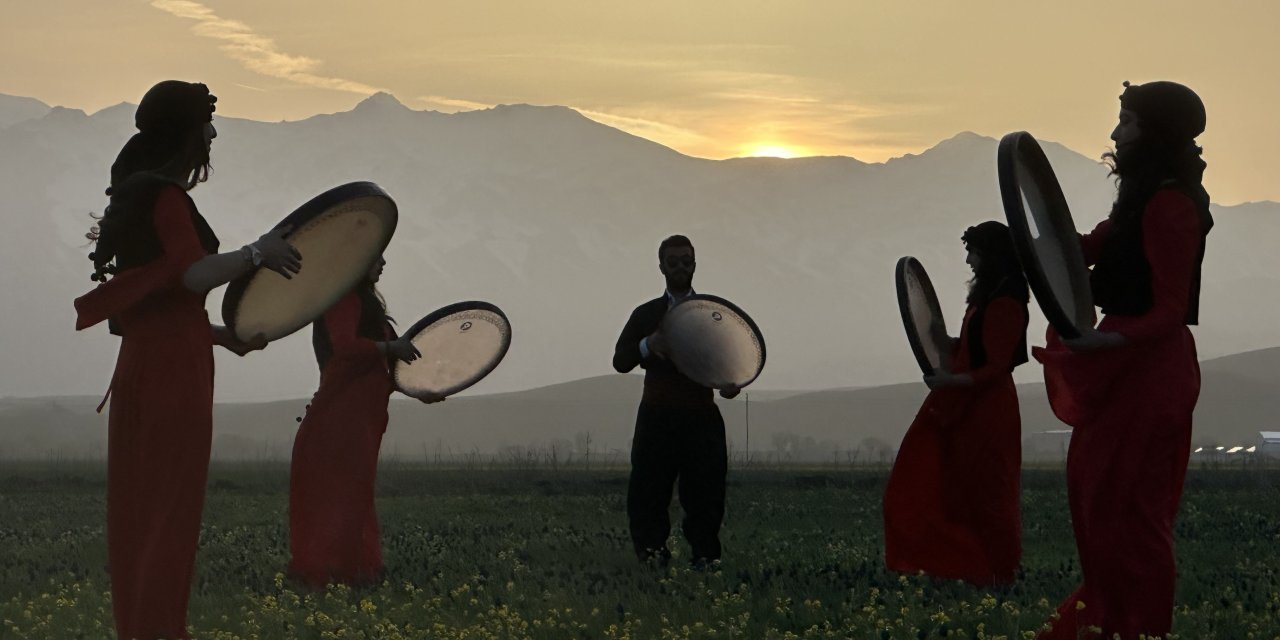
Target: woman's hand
column 223, row 337
column 430, row 398
column 277, row 254
column 402, row 349
column 1093, row 340
column 942, row 379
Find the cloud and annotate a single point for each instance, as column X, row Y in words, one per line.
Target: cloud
column 257, row 53
column 454, row 103
column 665, row 133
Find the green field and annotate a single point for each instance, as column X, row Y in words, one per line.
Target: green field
column 490, row 552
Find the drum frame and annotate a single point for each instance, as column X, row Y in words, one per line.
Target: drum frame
column 910, row 264
column 1021, row 147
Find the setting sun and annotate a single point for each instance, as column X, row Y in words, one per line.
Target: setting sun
column 771, row 151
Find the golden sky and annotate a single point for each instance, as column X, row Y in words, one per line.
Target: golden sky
column 872, row 79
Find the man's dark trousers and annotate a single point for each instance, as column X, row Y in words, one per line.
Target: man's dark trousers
column 685, row 445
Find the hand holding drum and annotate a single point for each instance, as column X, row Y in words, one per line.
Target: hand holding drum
column 341, row 231
column 452, row 348
column 277, row 254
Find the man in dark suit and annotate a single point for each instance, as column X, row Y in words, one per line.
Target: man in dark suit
column 679, row 431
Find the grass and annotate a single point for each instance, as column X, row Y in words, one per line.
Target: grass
column 531, row 552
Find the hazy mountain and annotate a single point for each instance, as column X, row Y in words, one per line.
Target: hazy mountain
column 1237, row 401
column 15, row 109
column 556, row 219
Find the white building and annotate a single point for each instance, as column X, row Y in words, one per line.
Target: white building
column 1269, row 443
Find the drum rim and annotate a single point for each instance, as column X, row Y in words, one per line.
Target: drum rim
column 751, row 323
column 236, row 289
column 447, row 310
column 906, row 263
column 1024, row 145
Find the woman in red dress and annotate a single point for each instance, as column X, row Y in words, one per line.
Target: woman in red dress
column 1129, row 387
column 333, row 526
column 162, row 260
column 951, row 504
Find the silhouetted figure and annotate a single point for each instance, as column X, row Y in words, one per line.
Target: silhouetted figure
column 159, row 253
column 1129, row 387
column 333, row 526
column 679, row 433
column 951, row 504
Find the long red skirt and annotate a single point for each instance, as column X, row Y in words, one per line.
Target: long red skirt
column 951, row 504
column 1131, row 410
column 333, row 525
column 160, row 427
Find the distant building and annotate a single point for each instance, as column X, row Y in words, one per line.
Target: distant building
column 1269, row 443
column 1046, row 445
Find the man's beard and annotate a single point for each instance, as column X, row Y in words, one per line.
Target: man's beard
column 680, row 281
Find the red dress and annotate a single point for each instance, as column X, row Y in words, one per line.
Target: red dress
column 951, row 504
column 160, row 426
column 333, row 527
column 1131, row 412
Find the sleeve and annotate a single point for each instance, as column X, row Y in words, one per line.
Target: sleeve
column 627, row 354
column 1171, row 239
column 1003, row 326
column 180, row 247
column 342, row 321
column 1091, row 243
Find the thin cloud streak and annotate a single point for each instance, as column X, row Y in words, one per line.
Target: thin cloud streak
column 664, row 133
column 256, row 52
column 455, row 103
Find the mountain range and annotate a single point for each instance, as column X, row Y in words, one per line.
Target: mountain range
column 556, row 219
column 595, row 416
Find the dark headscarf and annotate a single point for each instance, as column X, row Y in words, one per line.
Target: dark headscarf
column 174, row 106
column 990, row 238
column 167, row 115
column 170, row 119
column 999, row 273
column 1168, row 112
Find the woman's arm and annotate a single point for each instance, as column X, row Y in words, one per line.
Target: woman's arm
column 271, row 250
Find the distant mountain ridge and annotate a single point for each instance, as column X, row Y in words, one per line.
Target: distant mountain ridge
column 556, row 218
column 15, row 109
column 1237, row 401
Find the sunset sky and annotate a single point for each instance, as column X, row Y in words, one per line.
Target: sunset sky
column 868, row 79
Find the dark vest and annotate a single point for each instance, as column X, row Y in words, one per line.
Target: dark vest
column 135, row 242
column 1121, row 278
column 978, row 351
column 134, row 202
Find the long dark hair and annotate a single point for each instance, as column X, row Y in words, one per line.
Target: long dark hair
column 123, row 234
column 373, row 311
column 1152, row 164
column 373, row 322
column 999, row 272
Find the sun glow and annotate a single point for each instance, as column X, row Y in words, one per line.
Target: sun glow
column 771, row 151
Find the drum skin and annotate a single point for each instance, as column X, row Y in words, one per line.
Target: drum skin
column 713, row 342
column 340, row 234
column 460, row 344
column 921, row 316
